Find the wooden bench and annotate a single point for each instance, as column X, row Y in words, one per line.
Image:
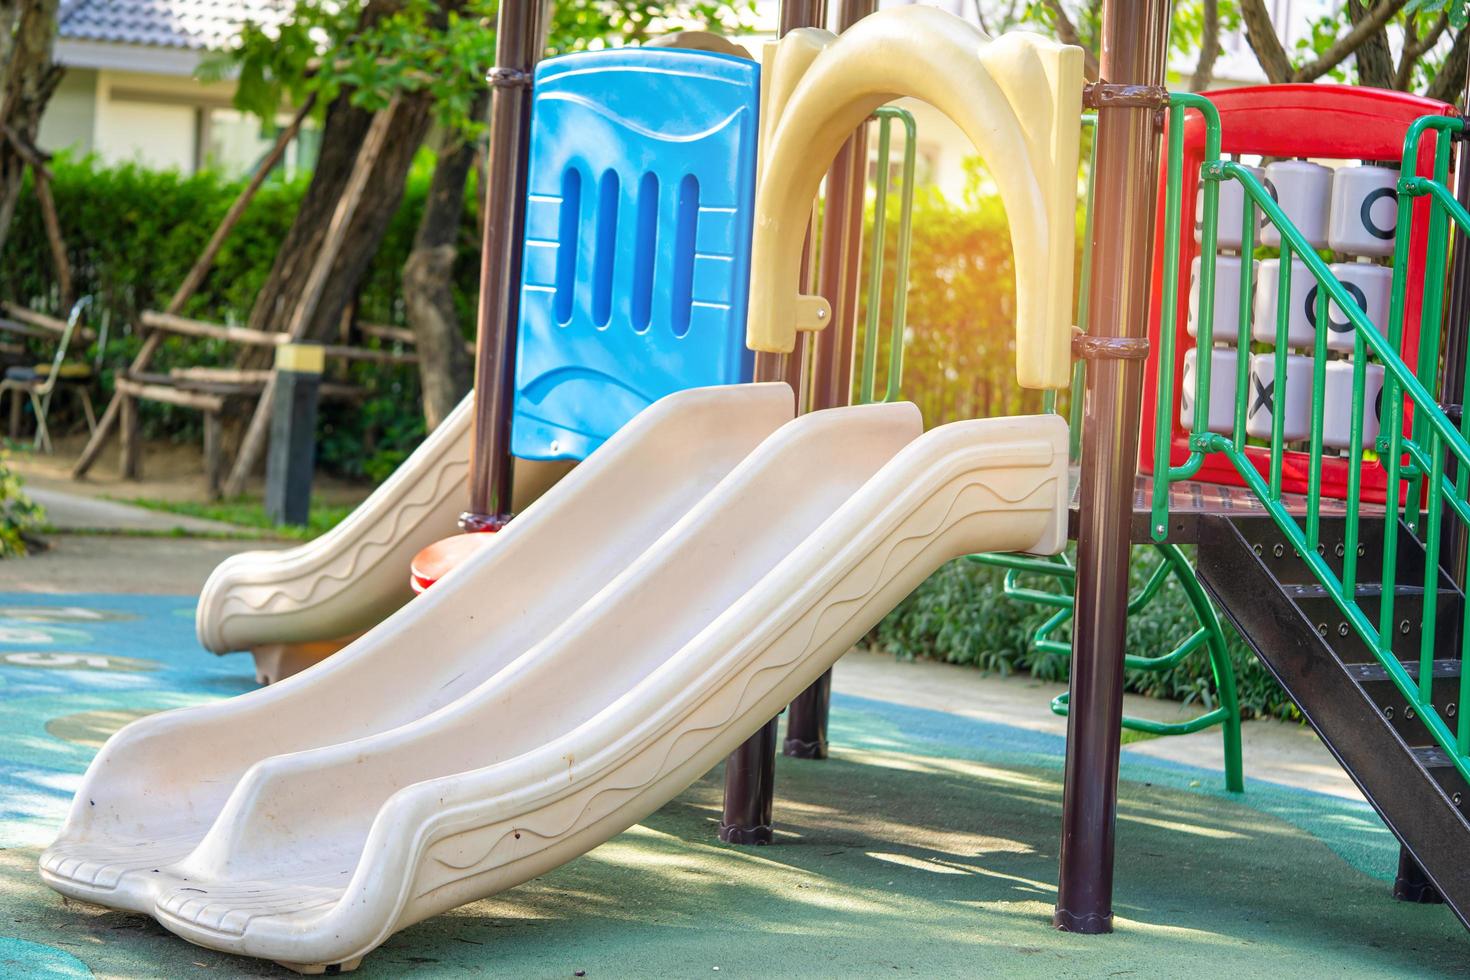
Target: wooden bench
column 215, row 391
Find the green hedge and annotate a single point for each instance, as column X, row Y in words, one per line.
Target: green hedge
column 132, row 235
column 961, row 616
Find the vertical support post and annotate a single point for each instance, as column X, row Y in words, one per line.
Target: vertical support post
column 832, row 351
column 130, row 444
column 750, row 771
column 214, row 469
column 1134, row 45
column 750, row 788
column 291, row 456
column 518, row 44
column 1411, row 884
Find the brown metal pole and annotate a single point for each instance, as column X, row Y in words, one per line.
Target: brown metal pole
column 1134, row 44
column 831, row 352
column 518, row 44
column 750, row 771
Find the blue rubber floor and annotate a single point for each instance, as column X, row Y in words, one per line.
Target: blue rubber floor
column 925, row 846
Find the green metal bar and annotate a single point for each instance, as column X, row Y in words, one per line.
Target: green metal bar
column 1012, row 590
column 868, row 367
column 875, row 268
column 1422, row 463
column 1431, row 575
column 1279, row 382
column 1319, row 395
column 1243, row 333
column 1355, row 468
column 1431, row 313
column 1055, row 565
column 1163, row 472
column 1150, row 589
column 904, row 245
column 1220, row 665
column 1197, row 724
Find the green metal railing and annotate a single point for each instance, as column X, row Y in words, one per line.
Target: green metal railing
column 868, row 360
column 1412, row 461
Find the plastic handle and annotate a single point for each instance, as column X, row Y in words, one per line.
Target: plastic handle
column 1017, row 97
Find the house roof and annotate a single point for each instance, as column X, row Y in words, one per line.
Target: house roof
column 192, row 25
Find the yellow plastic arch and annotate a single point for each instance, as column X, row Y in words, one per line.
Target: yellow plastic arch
column 1017, row 97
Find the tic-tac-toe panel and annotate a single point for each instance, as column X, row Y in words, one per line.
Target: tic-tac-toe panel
column 641, row 186
column 1350, row 211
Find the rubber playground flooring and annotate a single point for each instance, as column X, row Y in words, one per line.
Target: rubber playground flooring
column 927, row 846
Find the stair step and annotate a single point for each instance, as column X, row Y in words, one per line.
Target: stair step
column 1364, row 590
column 1371, row 673
column 1432, row 757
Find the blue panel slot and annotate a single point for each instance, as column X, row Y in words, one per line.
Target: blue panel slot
column 640, row 193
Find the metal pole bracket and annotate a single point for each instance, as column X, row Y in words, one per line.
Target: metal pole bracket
column 1092, row 348
column 1109, row 95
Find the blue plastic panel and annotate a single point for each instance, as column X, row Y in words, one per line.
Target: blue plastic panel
column 640, row 192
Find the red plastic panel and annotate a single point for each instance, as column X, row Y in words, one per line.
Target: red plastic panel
column 1323, row 121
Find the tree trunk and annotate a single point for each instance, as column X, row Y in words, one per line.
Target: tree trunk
column 28, row 78
column 445, row 369
column 1450, row 81
column 342, row 135
column 1375, row 64
column 1260, row 33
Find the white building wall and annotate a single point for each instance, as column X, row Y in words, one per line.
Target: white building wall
column 70, row 120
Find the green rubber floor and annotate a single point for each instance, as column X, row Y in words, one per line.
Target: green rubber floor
column 926, row 846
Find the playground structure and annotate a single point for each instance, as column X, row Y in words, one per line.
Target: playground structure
column 825, row 519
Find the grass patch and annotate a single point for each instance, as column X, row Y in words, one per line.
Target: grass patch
column 250, row 512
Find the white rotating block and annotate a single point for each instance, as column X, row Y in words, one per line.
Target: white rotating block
column 1370, row 285
column 1365, row 211
column 1227, row 298
column 1304, row 191
column 1337, row 404
column 1222, row 391
column 1296, row 405
column 1229, row 213
column 1299, row 324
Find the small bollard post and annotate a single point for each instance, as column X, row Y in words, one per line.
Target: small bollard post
column 291, row 459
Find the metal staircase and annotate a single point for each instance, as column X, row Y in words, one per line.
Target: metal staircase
column 1297, row 629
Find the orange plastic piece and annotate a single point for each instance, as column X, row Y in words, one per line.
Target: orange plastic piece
column 434, row 562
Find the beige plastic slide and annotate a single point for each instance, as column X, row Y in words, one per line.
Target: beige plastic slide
column 529, row 733
column 293, row 607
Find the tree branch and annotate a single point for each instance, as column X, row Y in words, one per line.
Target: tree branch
column 1449, row 82
column 1415, row 49
column 1362, row 31
column 1209, row 50
column 1375, row 63
column 1067, row 34
column 1260, row 34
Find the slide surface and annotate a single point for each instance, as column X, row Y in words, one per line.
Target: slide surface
column 499, row 726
